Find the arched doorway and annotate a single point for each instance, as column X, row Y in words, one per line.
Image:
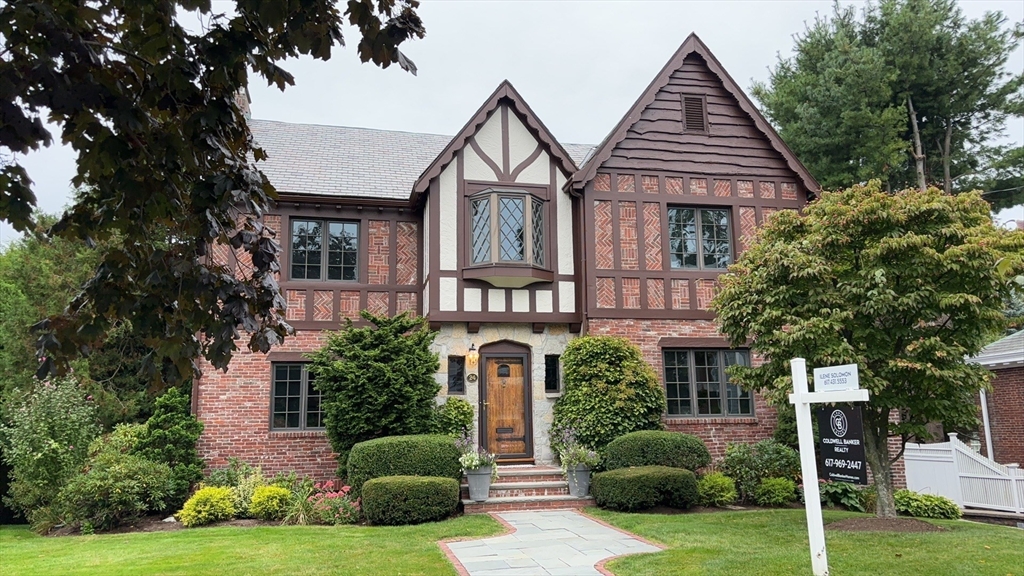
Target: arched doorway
column 505, row 408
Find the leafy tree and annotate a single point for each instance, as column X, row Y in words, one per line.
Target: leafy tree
column 906, row 286
column 376, row 381
column 609, row 391
column 165, row 159
column 912, row 92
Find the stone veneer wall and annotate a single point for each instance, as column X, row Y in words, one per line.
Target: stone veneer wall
column 454, row 339
column 717, row 433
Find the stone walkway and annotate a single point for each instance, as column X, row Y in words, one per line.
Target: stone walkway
column 557, row 542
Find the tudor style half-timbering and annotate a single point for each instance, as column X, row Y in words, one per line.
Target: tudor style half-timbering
column 512, row 244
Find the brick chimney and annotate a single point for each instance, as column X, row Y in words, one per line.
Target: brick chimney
column 242, row 100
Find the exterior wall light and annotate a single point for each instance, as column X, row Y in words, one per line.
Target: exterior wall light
column 472, row 357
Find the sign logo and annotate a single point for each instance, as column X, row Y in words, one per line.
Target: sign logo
column 839, row 423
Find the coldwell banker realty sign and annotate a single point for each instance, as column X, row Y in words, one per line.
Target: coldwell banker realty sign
column 840, row 428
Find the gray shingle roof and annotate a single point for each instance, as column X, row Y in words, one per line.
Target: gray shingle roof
column 1006, row 352
column 355, row 162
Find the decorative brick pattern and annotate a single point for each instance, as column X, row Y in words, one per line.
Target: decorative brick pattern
column 603, row 183
column 349, row 307
column 234, row 406
column 680, row 294
column 699, row 186
column 652, row 235
column 323, row 305
column 631, row 293
column 748, row 226
column 656, row 293
column 626, row 183
column 296, row 304
column 650, row 184
column 723, row 187
column 674, row 185
column 766, row 214
column 745, row 188
column 406, row 302
column 378, row 253
column 603, row 235
column 408, row 254
column 717, row 433
column 606, row 293
column 767, row 189
column 627, row 236
column 377, row 303
column 789, row 191
column 706, row 289
column 1006, row 415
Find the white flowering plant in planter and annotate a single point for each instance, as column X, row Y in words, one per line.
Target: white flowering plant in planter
column 474, row 458
column 572, row 453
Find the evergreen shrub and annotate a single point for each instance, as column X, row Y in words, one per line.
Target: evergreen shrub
column 269, row 502
column 630, row 489
column 208, row 505
column 716, row 489
column 775, row 492
column 656, row 448
column 115, row 488
column 395, row 500
column 454, row 417
column 416, row 455
column 749, row 464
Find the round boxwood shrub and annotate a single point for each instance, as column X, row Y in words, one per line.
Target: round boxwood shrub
column 656, row 448
column 269, row 502
column 210, row 504
column 417, row 455
column 926, row 505
column 644, row 487
column 716, row 489
column 609, row 391
column 395, row 500
column 775, row 492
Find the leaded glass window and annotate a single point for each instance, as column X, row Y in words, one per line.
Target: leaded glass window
column 307, row 249
column 507, row 226
column 308, row 241
column 511, row 215
column 538, row 232
column 696, row 383
column 715, row 238
column 342, row 253
column 481, row 230
column 699, row 238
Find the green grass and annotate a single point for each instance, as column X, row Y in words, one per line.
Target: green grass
column 775, row 542
column 299, row 550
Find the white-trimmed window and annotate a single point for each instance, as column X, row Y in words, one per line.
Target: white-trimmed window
column 507, row 227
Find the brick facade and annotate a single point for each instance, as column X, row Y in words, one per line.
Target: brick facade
column 235, row 406
column 717, row 433
column 1006, row 415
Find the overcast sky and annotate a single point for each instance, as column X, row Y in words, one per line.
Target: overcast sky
column 580, row 65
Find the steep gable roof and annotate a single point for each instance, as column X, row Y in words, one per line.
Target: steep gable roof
column 692, row 45
column 1003, row 353
column 504, row 93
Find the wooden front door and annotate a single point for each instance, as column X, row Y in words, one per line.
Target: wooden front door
column 505, row 392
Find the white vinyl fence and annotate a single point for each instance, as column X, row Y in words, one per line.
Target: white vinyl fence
column 952, row 469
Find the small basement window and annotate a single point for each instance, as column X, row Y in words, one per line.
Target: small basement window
column 695, row 114
column 552, row 374
column 456, row 375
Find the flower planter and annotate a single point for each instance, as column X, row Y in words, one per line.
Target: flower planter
column 579, row 480
column 479, row 480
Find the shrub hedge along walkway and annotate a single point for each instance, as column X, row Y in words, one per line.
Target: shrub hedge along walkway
column 559, row 542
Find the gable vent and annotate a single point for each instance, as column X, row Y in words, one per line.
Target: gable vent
column 693, row 114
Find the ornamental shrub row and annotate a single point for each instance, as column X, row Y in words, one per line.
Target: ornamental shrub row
column 394, row 500
column 644, row 487
column 416, row 455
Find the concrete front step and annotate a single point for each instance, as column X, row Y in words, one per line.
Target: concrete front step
column 520, row 489
column 507, row 474
column 526, row 503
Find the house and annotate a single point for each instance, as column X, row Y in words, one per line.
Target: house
column 512, row 244
column 1002, row 409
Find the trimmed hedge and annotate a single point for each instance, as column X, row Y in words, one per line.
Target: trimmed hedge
column 395, row 500
column 630, row 489
column 417, row 455
column 656, row 448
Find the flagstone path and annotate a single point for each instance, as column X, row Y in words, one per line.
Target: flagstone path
column 556, row 542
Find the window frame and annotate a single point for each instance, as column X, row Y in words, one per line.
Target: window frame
column 461, row 360
column 692, row 384
column 325, row 226
column 699, row 238
column 556, row 359
column 531, row 201
column 305, row 383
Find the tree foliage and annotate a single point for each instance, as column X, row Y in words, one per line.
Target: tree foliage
column 906, row 286
column 166, row 161
column 376, row 381
column 910, row 92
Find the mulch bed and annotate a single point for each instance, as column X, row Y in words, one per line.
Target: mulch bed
column 884, row 525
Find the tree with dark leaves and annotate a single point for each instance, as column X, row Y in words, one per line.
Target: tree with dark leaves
column 166, row 161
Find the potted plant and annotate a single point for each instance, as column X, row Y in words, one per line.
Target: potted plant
column 479, row 467
column 577, row 461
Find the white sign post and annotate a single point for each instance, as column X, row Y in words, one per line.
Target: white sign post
column 801, row 399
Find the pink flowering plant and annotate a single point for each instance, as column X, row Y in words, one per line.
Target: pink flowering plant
column 332, row 504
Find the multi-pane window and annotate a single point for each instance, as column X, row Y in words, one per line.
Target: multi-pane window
column 456, row 374
column 552, row 375
column 506, row 227
column 324, row 250
column 696, row 383
column 296, row 401
column 699, row 238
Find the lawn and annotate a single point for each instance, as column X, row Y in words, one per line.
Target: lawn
column 775, row 542
column 289, row 550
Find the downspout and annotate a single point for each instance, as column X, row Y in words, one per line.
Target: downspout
column 988, row 428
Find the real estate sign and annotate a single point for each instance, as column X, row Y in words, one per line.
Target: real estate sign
column 842, row 444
